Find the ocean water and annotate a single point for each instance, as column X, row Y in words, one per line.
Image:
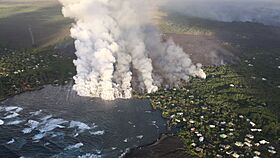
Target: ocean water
column 55, row 122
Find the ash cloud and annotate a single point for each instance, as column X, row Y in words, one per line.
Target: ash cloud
column 260, row 11
column 120, row 50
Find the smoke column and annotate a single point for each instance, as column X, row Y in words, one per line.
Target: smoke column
column 119, row 50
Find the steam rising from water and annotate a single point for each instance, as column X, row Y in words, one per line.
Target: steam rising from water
column 119, row 49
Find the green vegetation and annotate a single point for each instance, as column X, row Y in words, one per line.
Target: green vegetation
column 179, row 24
column 170, row 27
column 233, row 113
column 29, row 69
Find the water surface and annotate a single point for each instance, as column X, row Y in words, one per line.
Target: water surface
column 55, row 122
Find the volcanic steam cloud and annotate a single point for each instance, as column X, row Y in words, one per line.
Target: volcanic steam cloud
column 120, row 50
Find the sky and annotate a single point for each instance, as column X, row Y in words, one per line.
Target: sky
column 260, row 11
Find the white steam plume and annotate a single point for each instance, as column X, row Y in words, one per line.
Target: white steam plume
column 119, row 48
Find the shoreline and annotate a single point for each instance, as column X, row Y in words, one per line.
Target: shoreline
column 167, row 146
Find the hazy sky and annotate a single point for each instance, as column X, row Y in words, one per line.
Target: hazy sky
column 262, row 11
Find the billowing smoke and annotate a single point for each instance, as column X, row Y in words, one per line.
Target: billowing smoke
column 260, row 11
column 119, row 50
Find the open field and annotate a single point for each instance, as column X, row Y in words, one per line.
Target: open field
column 43, row 18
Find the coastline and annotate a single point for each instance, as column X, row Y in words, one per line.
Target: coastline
column 167, row 146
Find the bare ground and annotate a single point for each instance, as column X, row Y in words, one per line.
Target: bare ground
column 208, row 50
